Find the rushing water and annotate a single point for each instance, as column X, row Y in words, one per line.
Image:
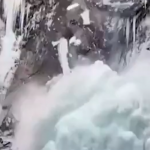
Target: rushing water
column 92, row 108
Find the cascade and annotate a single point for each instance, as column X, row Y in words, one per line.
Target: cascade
column 10, row 53
column 93, row 104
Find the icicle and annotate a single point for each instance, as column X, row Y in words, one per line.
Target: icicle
column 62, row 54
column 134, row 29
column 22, row 15
column 11, row 8
column 127, row 31
column 55, row 43
column 74, row 41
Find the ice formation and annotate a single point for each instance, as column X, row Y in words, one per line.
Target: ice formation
column 63, row 51
column 63, row 55
column 134, row 29
column 10, row 53
column 127, row 31
column 89, row 108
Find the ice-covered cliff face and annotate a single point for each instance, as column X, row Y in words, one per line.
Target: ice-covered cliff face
column 100, row 37
column 110, row 36
column 106, row 33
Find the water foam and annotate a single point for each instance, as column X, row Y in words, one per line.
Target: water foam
column 91, row 108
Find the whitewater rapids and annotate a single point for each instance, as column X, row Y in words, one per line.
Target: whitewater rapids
column 92, row 108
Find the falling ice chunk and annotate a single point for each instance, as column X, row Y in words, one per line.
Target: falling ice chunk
column 78, row 42
column 55, row 43
column 86, row 17
column 75, row 41
column 72, row 6
column 72, row 40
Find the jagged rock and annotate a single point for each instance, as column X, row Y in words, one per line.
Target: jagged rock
column 49, row 20
column 108, row 31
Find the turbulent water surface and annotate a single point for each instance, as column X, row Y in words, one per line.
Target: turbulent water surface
column 91, row 108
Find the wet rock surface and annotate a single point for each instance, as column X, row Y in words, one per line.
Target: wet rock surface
column 49, row 20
